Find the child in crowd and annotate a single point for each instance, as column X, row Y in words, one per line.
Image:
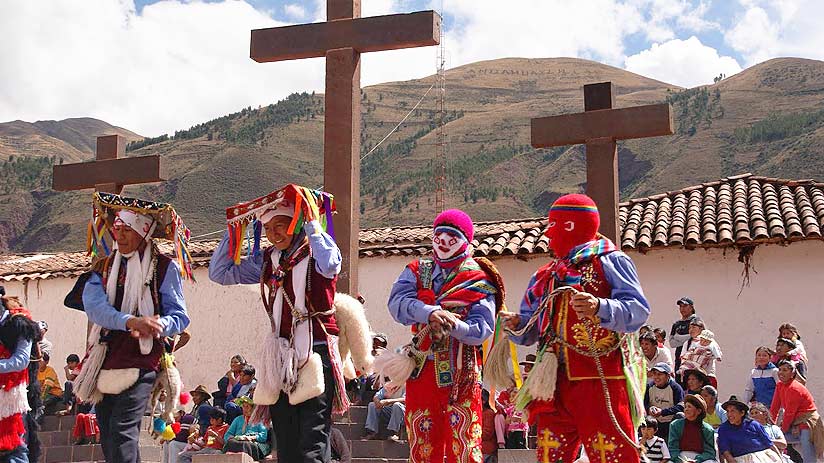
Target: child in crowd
column 663, row 398
column 212, row 442
column 660, row 335
column 763, row 378
column 702, row 355
column 654, row 448
column 789, row 331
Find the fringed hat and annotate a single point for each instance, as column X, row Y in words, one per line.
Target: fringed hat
column 169, row 226
column 300, row 203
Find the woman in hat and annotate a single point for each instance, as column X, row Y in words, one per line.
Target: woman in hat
column 801, row 423
column 692, row 440
column 761, row 413
column 742, row 439
column 244, row 436
column 715, row 412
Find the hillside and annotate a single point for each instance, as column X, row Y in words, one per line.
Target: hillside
column 768, row 120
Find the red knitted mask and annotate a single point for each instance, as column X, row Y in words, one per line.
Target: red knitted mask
column 573, row 220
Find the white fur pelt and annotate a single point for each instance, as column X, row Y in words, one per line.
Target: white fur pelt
column 355, row 341
column 397, row 366
column 168, row 379
column 269, row 379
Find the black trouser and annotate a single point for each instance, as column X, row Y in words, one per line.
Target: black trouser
column 119, row 419
column 302, row 431
column 516, row 440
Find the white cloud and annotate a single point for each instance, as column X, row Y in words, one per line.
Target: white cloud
column 294, row 11
column 686, row 63
column 769, row 29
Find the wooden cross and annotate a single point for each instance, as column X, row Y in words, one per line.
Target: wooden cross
column 109, row 171
column 547, row 443
column 599, row 127
column 602, row 447
column 341, row 40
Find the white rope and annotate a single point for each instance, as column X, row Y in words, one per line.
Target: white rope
column 399, row 123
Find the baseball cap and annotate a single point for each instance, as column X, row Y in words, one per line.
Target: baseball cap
column 684, row 301
column 663, row 367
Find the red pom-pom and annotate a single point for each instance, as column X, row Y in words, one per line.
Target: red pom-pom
column 427, row 296
column 185, row 397
column 176, row 427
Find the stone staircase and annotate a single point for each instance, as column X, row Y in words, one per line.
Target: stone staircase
column 58, row 448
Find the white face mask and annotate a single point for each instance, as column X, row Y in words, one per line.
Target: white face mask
column 446, row 245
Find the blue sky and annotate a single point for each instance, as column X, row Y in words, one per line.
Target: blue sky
column 156, row 66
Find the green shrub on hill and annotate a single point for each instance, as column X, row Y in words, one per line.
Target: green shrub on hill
column 780, row 126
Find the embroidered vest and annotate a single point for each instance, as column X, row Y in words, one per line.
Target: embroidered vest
column 320, row 295
column 582, row 335
column 123, row 349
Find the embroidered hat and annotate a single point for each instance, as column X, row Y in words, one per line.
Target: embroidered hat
column 707, row 335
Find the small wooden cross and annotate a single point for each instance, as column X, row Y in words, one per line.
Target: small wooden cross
column 109, row 171
column 341, row 40
column 599, row 127
column 547, row 443
column 602, row 447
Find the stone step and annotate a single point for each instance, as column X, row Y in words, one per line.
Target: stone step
column 379, row 449
column 86, row 453
column 516, row 456
column 63, row 438
column 66, row 423
column 379, row 460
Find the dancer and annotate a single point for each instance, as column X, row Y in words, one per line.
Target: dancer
column 588, row 382
column 134, row 297
column 450, row 301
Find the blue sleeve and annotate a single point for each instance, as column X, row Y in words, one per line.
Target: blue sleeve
column 381, row 394
column 19, row 359
column 677, row 398
column 262, row 433
column 234, row 428
column 478, row 324
column 223, row 271
column 97, row 307
column 646, row 397
column 627, row 309
column 324, row 250
column 529, row 304
column 761, row 434
column 173, row 315
column 723, row 439
column 404, row 305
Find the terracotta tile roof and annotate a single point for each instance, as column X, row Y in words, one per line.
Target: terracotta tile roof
column 734, row 211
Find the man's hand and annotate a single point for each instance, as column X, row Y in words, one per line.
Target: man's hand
column 585, row 304
column 442, row 318
column 510, row 320
column 145, row 327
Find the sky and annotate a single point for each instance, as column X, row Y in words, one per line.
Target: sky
column 156, row 66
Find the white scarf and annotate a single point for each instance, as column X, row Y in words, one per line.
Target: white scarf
column 280, row 360
column 137, row 291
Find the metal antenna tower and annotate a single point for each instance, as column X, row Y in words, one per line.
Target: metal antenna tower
column 439, row 164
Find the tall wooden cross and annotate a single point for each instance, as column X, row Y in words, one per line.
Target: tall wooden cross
column 341, row 40
column 109, row 171
column 599, row 127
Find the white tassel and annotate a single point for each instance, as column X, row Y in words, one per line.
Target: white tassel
column 13, row 401
column 86, row 382
column 540, row 384
column 496, row 368
column 397, row 366
column 270, row 380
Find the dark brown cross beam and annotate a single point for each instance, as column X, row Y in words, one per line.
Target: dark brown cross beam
column 341, row 40
column 109, row 172
column 599, row 127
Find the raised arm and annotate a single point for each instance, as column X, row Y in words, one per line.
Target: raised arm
column 223, row 271
column 324, row 250
column 627, row 309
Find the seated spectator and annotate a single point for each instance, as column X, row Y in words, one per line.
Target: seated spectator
column 801, row 423
column 741, row 439
column 503, row 401
column 44, row 344
column 644, row 329
column 242, row 436
column 663, row 398
column 489, row 442
column 173, row 448
column 71, row 370
column 201, row 409
column 50, row 390
column 690, row 439
column 789, row 331
column 661, row 337
column 760, row 413
column 243, row 388
column 228, row 381
column 695, row 380
column 702, row 354
column 517, row 428
column 211, row 442
column 655, row 448
column 86, row 430
column 653, row 353
column 784, row 349
column 527, row 364
column 388, row 405
column 715, row 412
column 763, row 378
column 341, row 452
